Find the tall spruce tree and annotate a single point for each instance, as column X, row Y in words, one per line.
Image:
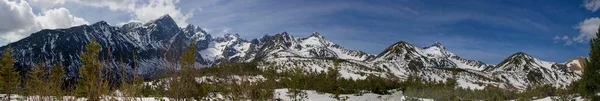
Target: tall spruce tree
column 8, row 75
column 55, row 81
column 35, row 84
column 184, row 86
column 333, row 75
column 590, row 81
column 91, row 85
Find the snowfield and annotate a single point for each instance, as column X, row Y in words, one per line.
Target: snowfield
column 279, row 94
column 316, row 96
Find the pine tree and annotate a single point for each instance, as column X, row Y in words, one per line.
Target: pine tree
column 184, row 85
column 333, row 75
column 591, row 77
column 55, row 81
column 36, row 85
column 91, row 85
column 132, row 88
column 296, row 85
column 8, row 75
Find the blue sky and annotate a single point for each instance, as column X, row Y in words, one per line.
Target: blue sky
column 487, row 30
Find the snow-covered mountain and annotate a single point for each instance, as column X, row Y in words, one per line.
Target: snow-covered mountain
column 159, row 43
column 522, row 70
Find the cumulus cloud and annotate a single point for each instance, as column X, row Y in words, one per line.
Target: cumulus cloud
column 19, row 21
column 591, row 5
column 587, row 29
column 157, row 8
column 139, row 10
column 58, row 18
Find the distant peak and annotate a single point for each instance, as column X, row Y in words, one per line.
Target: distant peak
column 316, row 34
column 285, row 35
column 401, row 47
column 164, row 20
column 166, row 16
column 437, row 50
column 438, row 44
column 101, row 23
column 131, row 25
column 192, row 27
column 401, row 44
column 521, row 55
column 228, row 35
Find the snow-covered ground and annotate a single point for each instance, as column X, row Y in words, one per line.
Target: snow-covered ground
column 278, row 94
column 316, row 96
column 557, row 99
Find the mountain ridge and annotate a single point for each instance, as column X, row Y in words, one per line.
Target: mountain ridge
column 158, row 43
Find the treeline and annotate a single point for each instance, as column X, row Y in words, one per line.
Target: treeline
column 416, row 88
column 296, row 80
column 43, row 83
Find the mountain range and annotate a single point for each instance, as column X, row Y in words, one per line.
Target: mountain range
column 151, row 46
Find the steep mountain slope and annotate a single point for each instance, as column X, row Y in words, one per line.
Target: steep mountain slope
column 159, row 43
column 522, row 70
column 313, row 46
column 577, row 63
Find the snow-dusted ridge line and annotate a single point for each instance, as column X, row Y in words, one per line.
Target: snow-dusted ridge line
column 159, row 43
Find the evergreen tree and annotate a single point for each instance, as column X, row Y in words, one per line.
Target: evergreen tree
column 333, row 75
column 8, row 75
column 184, row 85
column 590, row 80
column 296, row 85
column 91, row 85
column 55, row 81
column 36, row 85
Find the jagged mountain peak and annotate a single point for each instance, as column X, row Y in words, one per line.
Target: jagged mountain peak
column 521, row 55
column 163, row 21
column 196, row 33
column 231, row 36
column 437, row 44
column 285, row 35
column 165, row 17
column 400, row 50
column 437, row 50
column 518, row 57
column 101, row 23
column 316, row 34
column 522, row 61
column 131, row 25
column 402, row 45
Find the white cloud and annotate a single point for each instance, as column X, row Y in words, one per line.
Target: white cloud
column 142, row 10
column 587, row 29
column 19, row 21
column 591, row 5
column 157, row 8
column 565, row 39
column 124, row 5
column 58, row 18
